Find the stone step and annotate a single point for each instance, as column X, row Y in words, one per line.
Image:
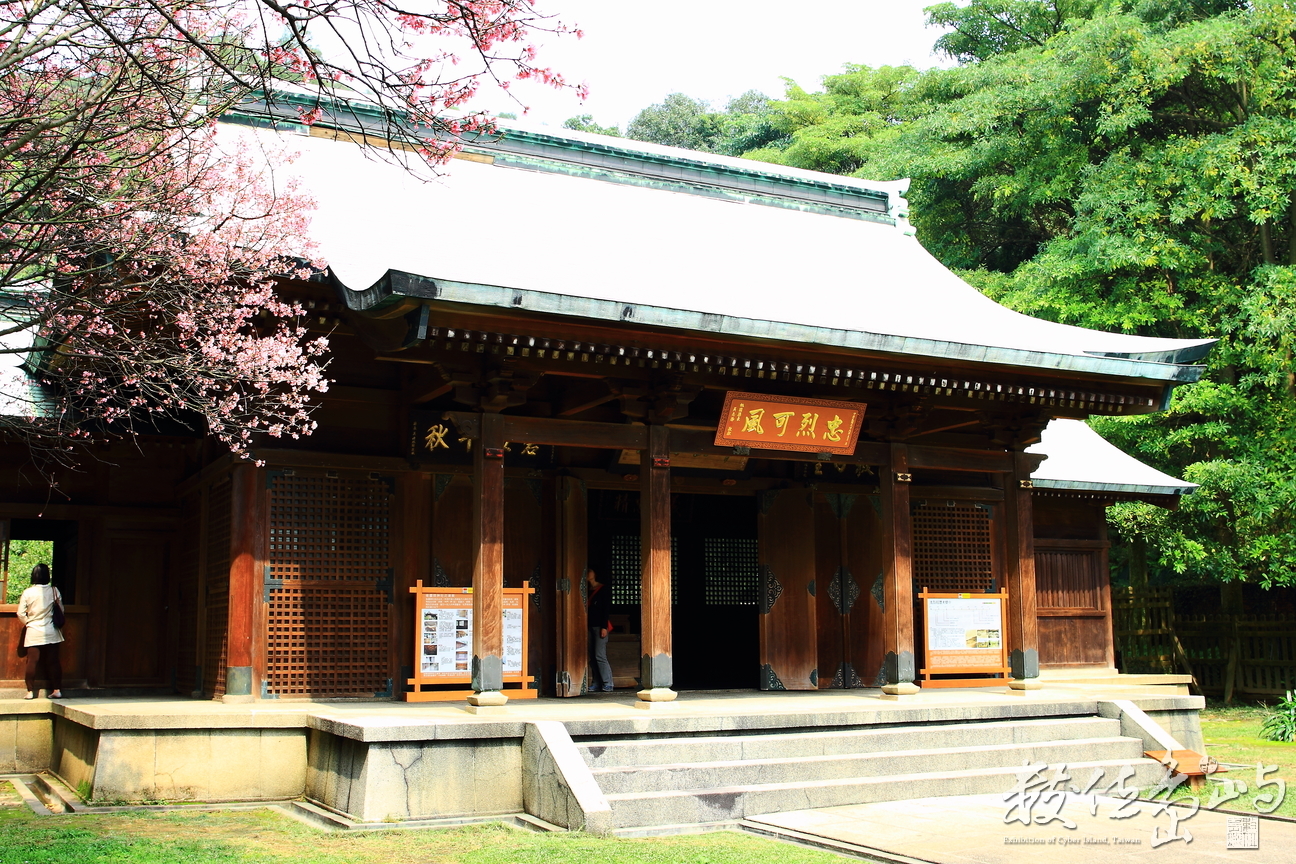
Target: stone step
column 718, row 748
column 731, row 803
column 751, row 772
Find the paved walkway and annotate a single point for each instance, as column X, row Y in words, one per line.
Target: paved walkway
column 971, row 830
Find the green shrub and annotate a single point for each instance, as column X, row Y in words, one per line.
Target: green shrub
column 1280, row 721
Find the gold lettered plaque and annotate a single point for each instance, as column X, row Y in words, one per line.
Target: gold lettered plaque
column 773, row 423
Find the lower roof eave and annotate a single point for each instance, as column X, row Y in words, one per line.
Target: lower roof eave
column 1115, row 488
column 396, row 286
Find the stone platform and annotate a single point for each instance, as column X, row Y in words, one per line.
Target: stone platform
column 597, row 762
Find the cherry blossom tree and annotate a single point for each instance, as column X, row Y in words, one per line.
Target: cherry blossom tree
column 137, row 270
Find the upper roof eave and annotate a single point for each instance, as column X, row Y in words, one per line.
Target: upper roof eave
column 397, row 285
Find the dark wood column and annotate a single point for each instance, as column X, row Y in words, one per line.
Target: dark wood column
column 898, row 669
column 656, row 670
column 488, row 564
column 247, row 534
column 1022, row 624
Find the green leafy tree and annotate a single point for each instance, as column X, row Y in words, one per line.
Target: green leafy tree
column 585, row 123
column 1124, row 167
column 676, row 121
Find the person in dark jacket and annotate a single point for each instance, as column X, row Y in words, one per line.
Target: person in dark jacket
column 598, row 615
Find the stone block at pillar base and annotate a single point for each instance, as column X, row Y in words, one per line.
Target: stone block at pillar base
column 655, row 698
column 487, row 699
column 233, row 699
column 1022, row 685
column 488, row 710
column 900, row 690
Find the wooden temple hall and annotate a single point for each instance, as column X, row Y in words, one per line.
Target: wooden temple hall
column 744, row 395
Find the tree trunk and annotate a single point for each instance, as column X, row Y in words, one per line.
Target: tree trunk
column 1231, row 598
column 1138, row 566
column 1266, row 242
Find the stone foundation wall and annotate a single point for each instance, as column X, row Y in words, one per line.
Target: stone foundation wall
column 376, row 781
column 26, row 742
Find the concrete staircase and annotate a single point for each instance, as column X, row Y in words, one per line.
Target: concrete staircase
column 659, row 781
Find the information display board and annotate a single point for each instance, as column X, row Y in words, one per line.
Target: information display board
column 443, row 630
column 963, row 634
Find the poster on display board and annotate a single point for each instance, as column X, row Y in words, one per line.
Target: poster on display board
column 963, row 634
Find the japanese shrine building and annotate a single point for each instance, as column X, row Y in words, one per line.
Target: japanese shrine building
column 532, row 357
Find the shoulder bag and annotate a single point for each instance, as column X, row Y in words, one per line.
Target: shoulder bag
column 59, row 618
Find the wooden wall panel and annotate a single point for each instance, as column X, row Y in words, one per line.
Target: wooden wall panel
column 524, row 555
column 788, row 646
column 412, row 550
column 73, row 654
column 1068, row 579
column 1073, row 641
column 215, row 623
column 188, row 555
column 136, row 612
column 452, row 552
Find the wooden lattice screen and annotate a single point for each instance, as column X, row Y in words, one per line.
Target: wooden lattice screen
column 732, row 571
column 626, row 570
column 952, row 547
column 329, row 585
column 1068, row 579
column 217, row 563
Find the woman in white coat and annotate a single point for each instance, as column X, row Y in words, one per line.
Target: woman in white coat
column 41, row 638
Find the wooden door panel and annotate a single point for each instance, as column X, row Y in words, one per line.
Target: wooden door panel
column 572, row 655
column 137, row 611
column 452, row 552
column 863, row 557
column 788, row 638
column 832, row 624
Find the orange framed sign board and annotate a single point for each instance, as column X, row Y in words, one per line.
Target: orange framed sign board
column 774, row 423
column 963, row 634
column 443, row 627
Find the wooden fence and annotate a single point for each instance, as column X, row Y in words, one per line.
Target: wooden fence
column 1253, row 655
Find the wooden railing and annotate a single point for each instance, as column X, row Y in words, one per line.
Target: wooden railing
column 1254, row 655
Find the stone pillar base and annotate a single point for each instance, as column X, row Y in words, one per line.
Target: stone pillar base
column 899, row 691
column 487, row 699
column 655, row 697
column 488, row 709
column 230, row 699
column 1021, row 685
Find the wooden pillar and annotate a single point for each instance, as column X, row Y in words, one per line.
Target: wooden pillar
column 488, row 564
column 572, row 642
column 1022, row 624
column 898, row 670
column 247, row 529
column 656, row 669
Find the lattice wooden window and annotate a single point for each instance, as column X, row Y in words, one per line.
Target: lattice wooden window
column 1068, row 579
column 329, row 584
column 217, row 569
column 732, row 571
column 952, row 547
column 627, row 572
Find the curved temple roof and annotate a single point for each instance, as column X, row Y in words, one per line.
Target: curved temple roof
column 585, row 226
column 1080, row 459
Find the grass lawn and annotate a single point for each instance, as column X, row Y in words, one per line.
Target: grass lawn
column 257, row 836
column 1232, row 736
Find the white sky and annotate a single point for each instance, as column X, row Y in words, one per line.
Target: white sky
column 635, row 53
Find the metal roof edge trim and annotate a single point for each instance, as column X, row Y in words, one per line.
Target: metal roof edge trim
column 788, row 201
column 362, row 117
column 1128, row 488
column 395, row 283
